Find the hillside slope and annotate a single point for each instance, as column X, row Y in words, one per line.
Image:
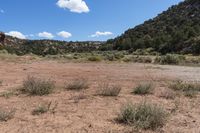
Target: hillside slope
column 176, row 30
column 46, row 47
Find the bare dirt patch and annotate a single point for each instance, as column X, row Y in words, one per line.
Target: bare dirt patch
column 94, row 113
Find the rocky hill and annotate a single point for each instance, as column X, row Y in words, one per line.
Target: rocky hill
column 47, row 47
column 176, row 30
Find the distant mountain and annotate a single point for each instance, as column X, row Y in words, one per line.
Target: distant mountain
column 176, row 30
column 46, row 47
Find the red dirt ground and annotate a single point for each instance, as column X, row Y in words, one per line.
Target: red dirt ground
column 94, row 114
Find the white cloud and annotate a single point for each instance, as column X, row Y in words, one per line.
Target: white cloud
column 2, row 11
column 64, row 34
column 46, row 35
column 16, row 34
column 98, row 34
column 78, row 6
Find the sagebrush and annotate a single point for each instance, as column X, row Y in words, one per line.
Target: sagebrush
column 143, row 115
column 37, row 86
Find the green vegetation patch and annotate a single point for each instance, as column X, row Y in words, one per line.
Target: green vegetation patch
column 143, row 89
column 143, row 115
column 36, row 86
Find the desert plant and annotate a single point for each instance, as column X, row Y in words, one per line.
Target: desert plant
column 189, row 89
column 118, row 55
column 94, row 58
column 110, row 57
column 138, row 59
column 126, row 59
column 184, row 86
column 143, row 89
column 167, row 94
column 192, row 60
column 36, row 86
column 141, row 59
column 169, row 59
column 41, row 109
column 3, row 51
column 190, row 93
column 77, row 85
column 176, row 85
column 7, row 94
column 44, row 108
column 143, row 115
column 106, row 89
column 6, row 115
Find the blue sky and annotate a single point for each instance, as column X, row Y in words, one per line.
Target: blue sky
column 76, row 20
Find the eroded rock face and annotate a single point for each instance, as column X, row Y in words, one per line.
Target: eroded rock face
column 2, row 37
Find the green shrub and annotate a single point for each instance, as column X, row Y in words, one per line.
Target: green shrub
column 3, row 51
column 41, row 109
column 189, row 89
column 94, row 58
column 139, row 52
column 169, row 59
column 148, row 51
column 68, row 57
column 192, row 60
column 138, row 59
column 118, row 56
column 44, row 108
column 6, row 115
column 126, row 59
column 143, row 115
column 106, row 89
column 142, row 59
column 110, row 57
column 36, row 86
column 78, row 84
column 7, row 94
column 184, row 86
column 143, row 89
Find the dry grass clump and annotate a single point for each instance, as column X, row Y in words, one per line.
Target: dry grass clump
column 6, row 115
column 8, row 94
column 137, row 59
column 190, row 93
column 36, row 86
column 44, row 108
column 170, row 59
column 106, row 89
column 167, row 94
column 41, row 109
column 94, row 58
column 189, row 89
column 143, row 89
column 143, row 115
column 77, row 85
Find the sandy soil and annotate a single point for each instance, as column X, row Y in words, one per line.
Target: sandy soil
column 94, row 114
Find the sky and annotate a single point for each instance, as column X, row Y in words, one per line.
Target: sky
column 76, row 20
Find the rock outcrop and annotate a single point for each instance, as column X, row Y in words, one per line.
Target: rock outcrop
column 2, row 37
